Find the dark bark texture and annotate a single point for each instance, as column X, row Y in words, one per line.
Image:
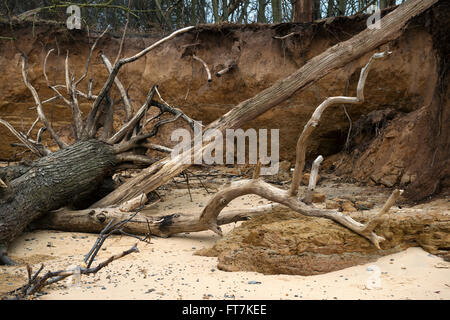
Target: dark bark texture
column 62, row 178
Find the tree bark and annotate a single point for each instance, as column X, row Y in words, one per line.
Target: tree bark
column 59, row 179
column 317, row 12
column 276, row 11
column 303, row 11
column 94, row 220
column 261, row 17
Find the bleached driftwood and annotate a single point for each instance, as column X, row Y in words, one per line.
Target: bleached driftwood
column 204, row 65
column 335, row 57
column 77, row 170
column 289, row 197
column 314, row 176
column 92, row 219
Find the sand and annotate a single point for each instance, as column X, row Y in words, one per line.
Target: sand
column 168, row 268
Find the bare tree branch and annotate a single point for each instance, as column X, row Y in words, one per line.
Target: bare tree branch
column 315, row 118
column 126, row 100
column 33, row 146
column 107, row 86
column 205, row 66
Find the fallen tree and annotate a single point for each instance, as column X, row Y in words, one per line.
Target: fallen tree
column 93, row 219
column 71, row 175
column 337, row 56
column 122, row 147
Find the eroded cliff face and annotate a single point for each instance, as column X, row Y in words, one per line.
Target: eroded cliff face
column 406, row 82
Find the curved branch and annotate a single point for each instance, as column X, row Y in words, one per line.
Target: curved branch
column 315, row 118
column 269, row 192
column 108, row 84
column 126, row 100
column 204, row 65
column 40, row 110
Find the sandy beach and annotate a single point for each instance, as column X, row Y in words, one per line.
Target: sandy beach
column 168, row 269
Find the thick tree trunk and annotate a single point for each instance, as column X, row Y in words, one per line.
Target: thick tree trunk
column 95, row 220
column 303, row 11
column 407, row 227
column 276, row 11
column 59, row 179
column 261, row 18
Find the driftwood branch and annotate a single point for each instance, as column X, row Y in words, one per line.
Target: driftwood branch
column 33, row 146
column 94, row 220
column 267, row 191
column 316, row 68
column 315, row 118
column 314, row 173
column 204, row 65
column 39, row 108
column 313, row 179
column 36, row 283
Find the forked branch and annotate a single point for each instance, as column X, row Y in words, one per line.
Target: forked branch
column 315, row 118
column 40, row 110
column 289, row 197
